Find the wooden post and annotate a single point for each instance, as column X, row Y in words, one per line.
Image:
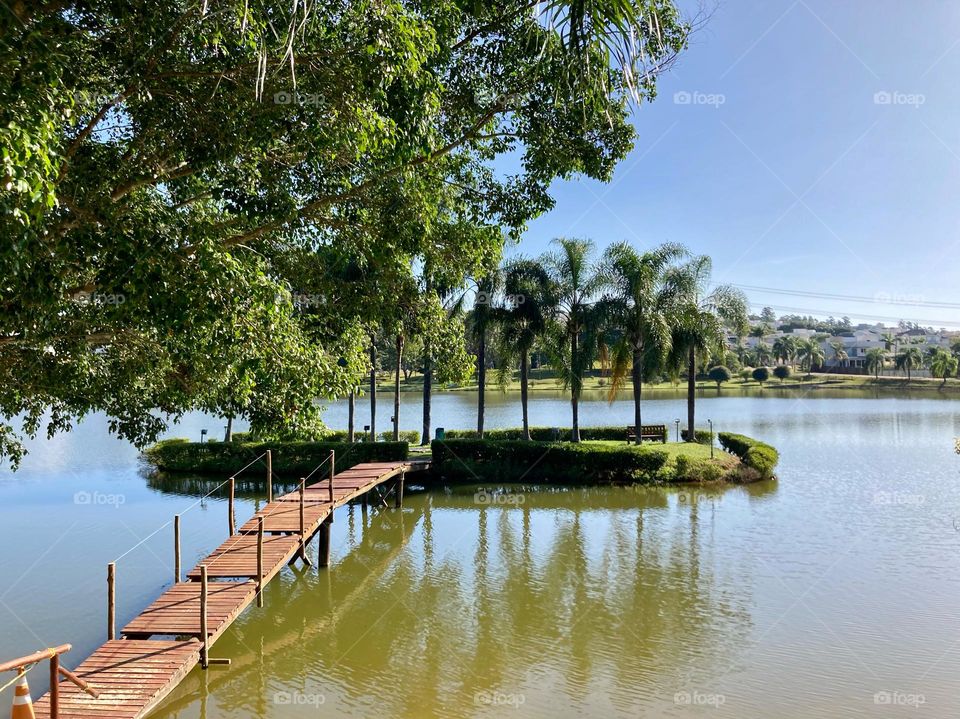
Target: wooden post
column 230, row 519
column 323, row 550
column 204, row 649
column 398, row 499
column 176, row 549
column 333, row 461
column 260, row 561
column 269, row 476
column 54, row 687
column 112, row 600
column 303, row 528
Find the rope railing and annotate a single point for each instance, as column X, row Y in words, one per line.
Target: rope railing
column 231, row 482
column 22, row 665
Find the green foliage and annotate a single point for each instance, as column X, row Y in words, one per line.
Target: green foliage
column 754, row 454
column 543, row 434
column 701, row 436
column 943, row 364
column 210, row 206
column 719, row 374
column 782, row 372
column 289, row 458
column 410, row 436
column 511, row 461
column 761, row 374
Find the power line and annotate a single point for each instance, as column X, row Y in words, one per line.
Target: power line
column 879, row 298
column 878, row 318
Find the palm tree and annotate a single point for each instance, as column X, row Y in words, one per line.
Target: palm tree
column 762, row 354
column 523, row 320
column 943, row 364
column 909, row 360
column 785, row 349
column 839, row 352
column 760, row 331
column 876, row 358
column 642, row 293
column 479, row 323
column 889, row 340
column 810, row 353
column 577, row 326
column 700, row 323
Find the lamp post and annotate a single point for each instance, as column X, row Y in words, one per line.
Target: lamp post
column 677, row 422
column 710, row 422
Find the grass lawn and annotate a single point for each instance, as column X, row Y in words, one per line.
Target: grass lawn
column 695, row 452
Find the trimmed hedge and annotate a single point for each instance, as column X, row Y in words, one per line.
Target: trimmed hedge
column 545, row 434
column 292, row 458
column 505, row 460
column 702, row 436
column 753, row 453
column 410, row 436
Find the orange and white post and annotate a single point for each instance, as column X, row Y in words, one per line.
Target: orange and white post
column 22, row 704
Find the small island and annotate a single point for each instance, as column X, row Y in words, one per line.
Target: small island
column 602, row 456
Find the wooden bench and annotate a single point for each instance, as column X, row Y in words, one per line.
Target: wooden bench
column 657, row 432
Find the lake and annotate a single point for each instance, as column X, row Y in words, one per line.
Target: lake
column 828, row 593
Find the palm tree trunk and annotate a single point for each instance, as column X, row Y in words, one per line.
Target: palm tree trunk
column 574, row 389
column 396, row 391
column 524, row 372
column 691, row 394
column 228, row 434
column 373, row 391
column 351, row 413
column 637, row 390
column 481, row 380
column 427, row 391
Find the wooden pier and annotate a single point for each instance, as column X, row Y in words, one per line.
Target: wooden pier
column 132, row 674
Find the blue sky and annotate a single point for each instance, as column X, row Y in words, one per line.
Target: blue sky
column 810, row 146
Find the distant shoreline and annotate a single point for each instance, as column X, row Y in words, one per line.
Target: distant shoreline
column 595, row 384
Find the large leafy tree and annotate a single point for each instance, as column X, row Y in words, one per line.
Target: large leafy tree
column 161, row 160
column 701, row 324
column 642, row 294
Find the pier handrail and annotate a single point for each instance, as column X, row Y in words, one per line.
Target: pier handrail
column 39, row 656
column 53, row 654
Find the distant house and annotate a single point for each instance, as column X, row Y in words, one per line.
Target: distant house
column 859, row 342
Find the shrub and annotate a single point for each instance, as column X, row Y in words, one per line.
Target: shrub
column 753, row 453
column 761, row 374
column 545, row 434
column 782, row 372
column 701, row 436
column 746, row 373
column 512, row 461
column 719, row 374
column 410, row 436
column 290, row 458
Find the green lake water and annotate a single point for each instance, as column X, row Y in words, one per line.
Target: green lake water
column 831, row 592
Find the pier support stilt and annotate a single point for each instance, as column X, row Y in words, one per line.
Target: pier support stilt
column 398, row 493
column 323, row 549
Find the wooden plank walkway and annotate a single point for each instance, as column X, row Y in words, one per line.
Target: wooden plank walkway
column 133, row 674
